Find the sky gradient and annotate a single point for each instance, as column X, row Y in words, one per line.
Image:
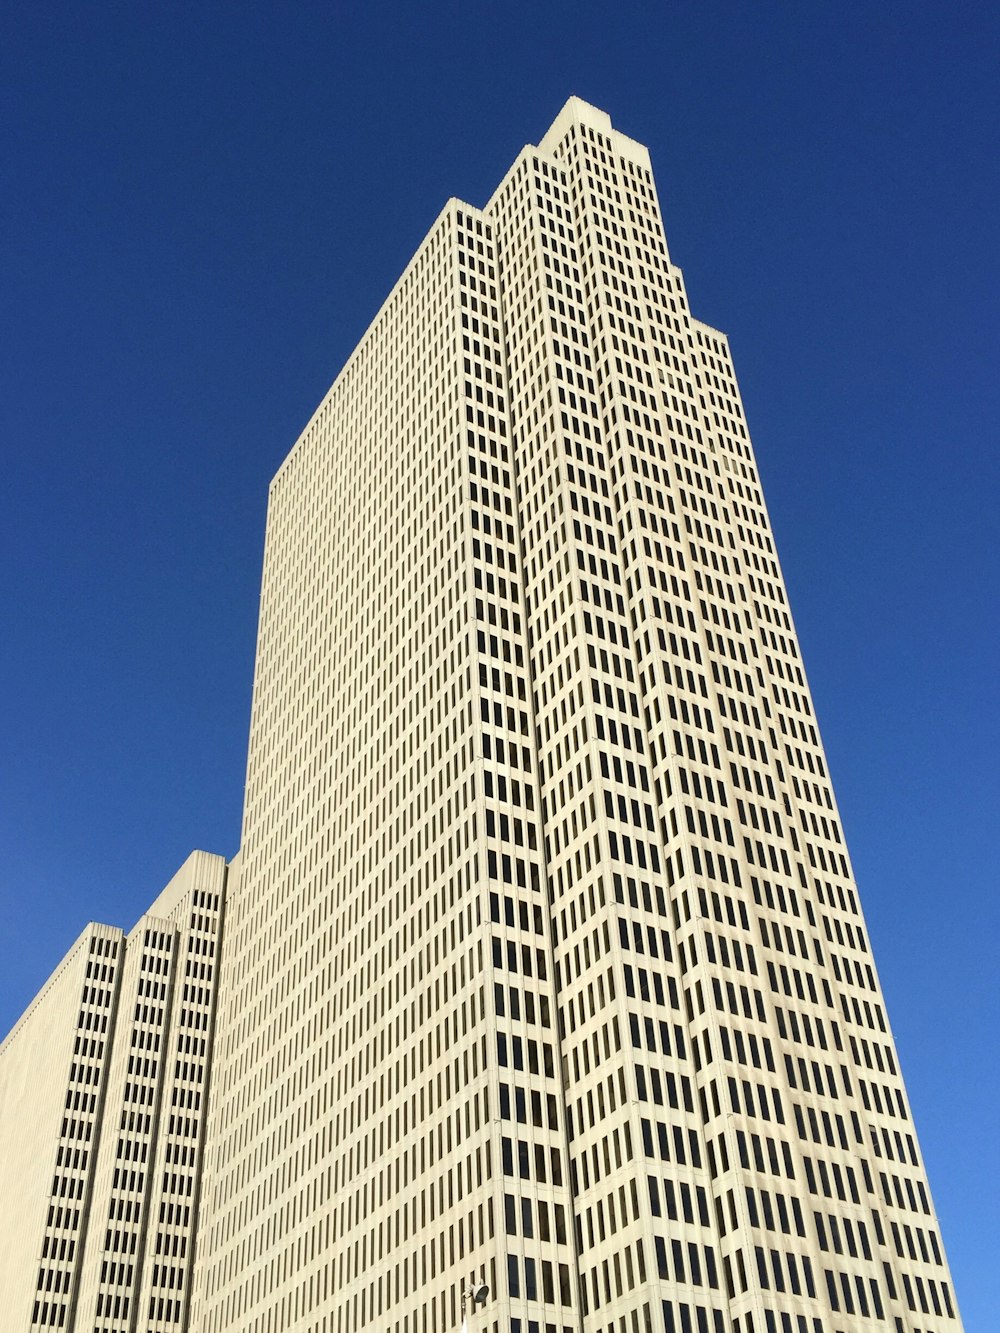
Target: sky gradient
column 203, row 207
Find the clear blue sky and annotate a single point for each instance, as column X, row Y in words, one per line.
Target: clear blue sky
column 202, row 206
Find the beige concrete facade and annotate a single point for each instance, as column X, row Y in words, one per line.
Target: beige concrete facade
column 546, row 965
column 140, row 1245
column 53, row 1072
column 543, row 963
column 103, row 1099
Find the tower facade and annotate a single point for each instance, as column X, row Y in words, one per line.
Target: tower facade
column 545, row 967
column 103, row 1101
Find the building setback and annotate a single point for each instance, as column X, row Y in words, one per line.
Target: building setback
column 543, row 965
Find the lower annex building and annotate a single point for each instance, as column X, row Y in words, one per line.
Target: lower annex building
column 543, row 965
column 103, row 1101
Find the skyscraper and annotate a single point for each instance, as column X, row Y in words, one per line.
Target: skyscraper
column 543, row 965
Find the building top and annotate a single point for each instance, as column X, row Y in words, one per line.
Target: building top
column 201, row 870
column 92, row 930
column 578, row 112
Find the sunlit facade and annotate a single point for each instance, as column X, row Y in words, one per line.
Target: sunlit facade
column 103, row 1102
column 543, row 965
column 546, row 965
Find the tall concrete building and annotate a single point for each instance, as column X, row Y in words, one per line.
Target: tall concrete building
column 103, row 1100
column 546, row 967
column 543, row 967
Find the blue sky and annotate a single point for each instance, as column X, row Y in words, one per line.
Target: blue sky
column 202, row 206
